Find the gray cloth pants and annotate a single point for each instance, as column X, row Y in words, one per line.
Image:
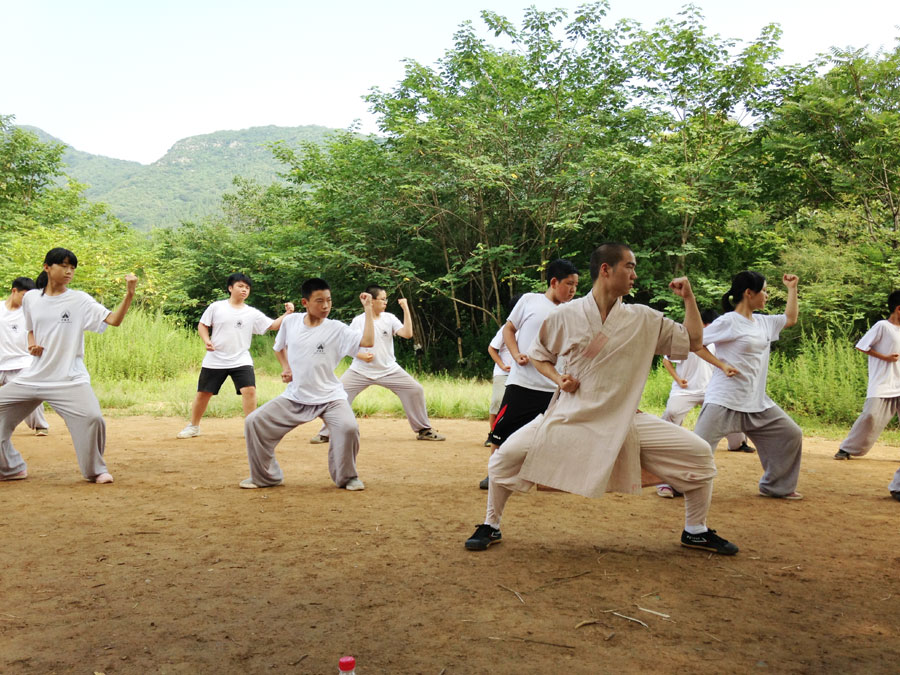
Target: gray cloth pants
column 36, row 419
column 266, row 426
column 75, row 403
column 778, row 441
column 677, row 408
column 875, row 415
column 410, row 393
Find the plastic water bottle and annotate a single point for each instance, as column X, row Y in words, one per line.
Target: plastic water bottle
column 347, row 665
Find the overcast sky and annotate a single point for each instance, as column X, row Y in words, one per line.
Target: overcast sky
column 128, row 78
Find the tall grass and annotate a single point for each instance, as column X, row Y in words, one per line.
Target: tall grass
column 146, row 347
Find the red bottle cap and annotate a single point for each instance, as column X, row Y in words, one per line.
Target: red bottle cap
column 346, row 664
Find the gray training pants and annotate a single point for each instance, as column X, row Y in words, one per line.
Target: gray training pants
column 410, row 393
column 36, row 419
column 875, row 415
column 778, row 441
column 75, row 403
column 266, row 426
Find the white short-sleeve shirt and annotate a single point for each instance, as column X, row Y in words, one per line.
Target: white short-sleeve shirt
column 884, row 376
column 384, row 363
column 744, row 344
column 696, row 371
column 313, row 353
column 59, row 322
column 527, row 316
column 13, row 339
column 232, row 330
column 499, row 344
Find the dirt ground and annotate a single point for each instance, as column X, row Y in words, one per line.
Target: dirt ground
column 173, row 569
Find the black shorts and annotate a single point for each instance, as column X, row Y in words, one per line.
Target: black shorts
column 212, row 379
column 520, row 405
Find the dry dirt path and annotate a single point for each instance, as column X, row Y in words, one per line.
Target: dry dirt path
column 173, row 569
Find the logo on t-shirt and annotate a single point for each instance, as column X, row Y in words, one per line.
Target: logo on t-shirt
column 65, row 317
column 14, row 327
column 239, row 324
column 320, row 349
column 384, row 332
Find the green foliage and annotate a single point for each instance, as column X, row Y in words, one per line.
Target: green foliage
column 147, row 346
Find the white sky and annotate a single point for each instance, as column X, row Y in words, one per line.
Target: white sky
column 128, row 78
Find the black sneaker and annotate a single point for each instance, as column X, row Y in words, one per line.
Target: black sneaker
column 743, row 447
column 840, row 454
column 895, row 494
column 487, row 442
column 707, row 541
column 483, row 484
column 484, row 536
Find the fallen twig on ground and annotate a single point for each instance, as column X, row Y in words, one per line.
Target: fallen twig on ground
column 514, row 592
column 631, row 618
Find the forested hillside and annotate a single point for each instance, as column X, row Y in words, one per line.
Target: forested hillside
column 187, row 183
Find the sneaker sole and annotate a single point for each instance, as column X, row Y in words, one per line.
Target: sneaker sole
column 479, row 546
column 708, row 549
column 17, row 476
column 254, row 486
column 793, row 497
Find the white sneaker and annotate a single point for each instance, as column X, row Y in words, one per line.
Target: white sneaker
column 189, row 431
column 248, row 484
column 354, row 484
column 41, row 431
column 318, row 439
column 104, row 478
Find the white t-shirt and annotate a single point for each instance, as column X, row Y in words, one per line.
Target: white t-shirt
column 745, row 345
column 59, row 322
column 313, row 354
column 884, row 377
column 384, row 363
column 527, row 316
column 696, row 371
column 232, row 330
column 499, row 344
column 13, row 339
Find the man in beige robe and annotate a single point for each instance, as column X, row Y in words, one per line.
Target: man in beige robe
column 590, row 440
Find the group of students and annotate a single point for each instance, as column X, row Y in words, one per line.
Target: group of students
column 597, row 352
column 564, row 408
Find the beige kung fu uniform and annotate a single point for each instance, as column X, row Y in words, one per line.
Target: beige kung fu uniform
column 592, row 441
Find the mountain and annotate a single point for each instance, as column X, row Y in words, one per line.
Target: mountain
column 187, row 183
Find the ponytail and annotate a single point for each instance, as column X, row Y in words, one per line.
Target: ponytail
column 742, row 281
column 41, row 282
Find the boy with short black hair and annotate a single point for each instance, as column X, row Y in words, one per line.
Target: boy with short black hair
column 882, row 345
column 233, row 324
column 309, row 346
column 14, row 354
column 528, row 392
column 378, row 366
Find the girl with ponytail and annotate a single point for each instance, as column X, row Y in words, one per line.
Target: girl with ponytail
column 736, row 398
column 55, row 319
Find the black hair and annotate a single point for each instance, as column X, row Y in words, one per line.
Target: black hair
column 310, row 286
column 742, row 281
column 893, row 301
column 23, row 284
column 560, row 269
column 708, row 316
column 610, row 253
column 235, row 278
column 55, row 256
column 374, row 290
